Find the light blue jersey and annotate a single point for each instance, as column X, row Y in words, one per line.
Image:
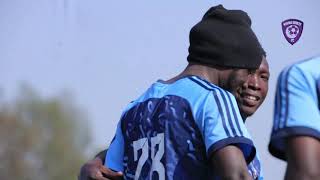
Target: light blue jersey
column 172, row 129
column 297, row 101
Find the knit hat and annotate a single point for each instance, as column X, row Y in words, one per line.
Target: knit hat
column 225, row 38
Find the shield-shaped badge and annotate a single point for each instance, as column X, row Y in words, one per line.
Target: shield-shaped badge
column 292, row 30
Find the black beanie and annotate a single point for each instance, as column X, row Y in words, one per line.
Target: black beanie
column 225, row 38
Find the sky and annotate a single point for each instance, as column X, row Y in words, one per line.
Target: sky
column 108, row 52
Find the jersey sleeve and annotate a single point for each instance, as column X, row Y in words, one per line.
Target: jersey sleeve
column 115, row 154
column 296, row 110
column 221, row 124
column 255, row 169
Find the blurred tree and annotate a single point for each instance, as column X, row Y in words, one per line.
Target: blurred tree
column 42, row 138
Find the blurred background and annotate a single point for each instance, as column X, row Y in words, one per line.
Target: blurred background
column 69, row 67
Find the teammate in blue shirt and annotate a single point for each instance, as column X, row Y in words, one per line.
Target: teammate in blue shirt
column 190, row 126
column 172, row 129
column 296, row 128
column 256, row 87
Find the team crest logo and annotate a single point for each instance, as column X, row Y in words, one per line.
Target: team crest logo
column 292, row 30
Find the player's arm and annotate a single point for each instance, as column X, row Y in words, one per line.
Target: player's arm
column 303, row 157
column 229, row 145
column 102, row 155
column 229, row 164
column 106, row 165
column 95, row 170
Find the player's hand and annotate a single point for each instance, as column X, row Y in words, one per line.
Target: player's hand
column 95, row 170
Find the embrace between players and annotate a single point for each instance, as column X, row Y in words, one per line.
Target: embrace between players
column 192, row 125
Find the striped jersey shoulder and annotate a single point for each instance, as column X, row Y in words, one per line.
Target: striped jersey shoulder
column 216, row 91
column 307, row 65
column 206, row 84
column 292, row 71
column 286, row 72
column 311, row 65
column 304, row 70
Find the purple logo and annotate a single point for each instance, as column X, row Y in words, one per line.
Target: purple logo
column 292, row 30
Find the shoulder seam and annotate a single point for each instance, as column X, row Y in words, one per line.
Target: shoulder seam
column 204, row 84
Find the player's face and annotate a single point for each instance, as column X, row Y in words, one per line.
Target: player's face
column 253, row 92
column 233, row 80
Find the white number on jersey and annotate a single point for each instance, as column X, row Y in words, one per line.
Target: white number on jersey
column 156, row 166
